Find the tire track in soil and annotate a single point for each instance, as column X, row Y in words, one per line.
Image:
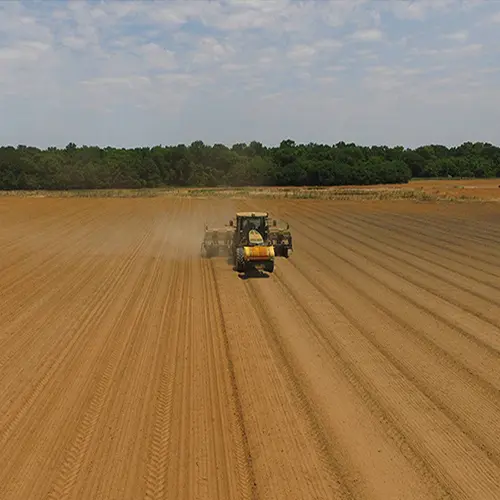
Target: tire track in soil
column 20, row 250
column 125, row 370
column 22, row 350
column 217, row 447
column 442, row 256
column 392, row 262
column 180, row 472
column 477, row 234
column 353, row 428
column 246, row 473
column 465, row 264
column 109, row 358
column 403, row 252
column 285, row 456
column 99, row 302
column 250, row 403
column 215, row 464
column 464, row 323
column 118, row 352
column 48, row 409
column 454, row 348
column 449, row 238
column 438, row 444
column 472, row 255
column 30, row 270
column 158, row 459
column 220, row 451
column 459, row 350
column 118, row 448
column 472, row 406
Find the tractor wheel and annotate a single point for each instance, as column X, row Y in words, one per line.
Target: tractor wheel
column 240, row 260
column 269, row 267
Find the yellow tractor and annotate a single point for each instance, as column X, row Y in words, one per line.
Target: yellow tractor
column 252, row 242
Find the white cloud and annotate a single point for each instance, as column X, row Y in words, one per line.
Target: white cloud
column 459, row 36
column 131, row 82
column 472, row 48
column 74, row 42
column 329, row 44
column 421, row 9
column 407, row 10
column 451, row 52
column 226, row 70
column 157, row 57
column 24, row 51
column 370, row 35
column 338, row 68
column 300, row 52
column 327, row 80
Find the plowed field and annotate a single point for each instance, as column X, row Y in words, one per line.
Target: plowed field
column 366, row 367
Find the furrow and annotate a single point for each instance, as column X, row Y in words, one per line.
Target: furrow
column 460, row 350
column 384, row 257
column 101, row 303
column 436, row 445
column 465, row 264
column 160, row 441
column 473, row 257
column 341, row 406
column 227, row 445
column 478, row 234
column 129, row 398
column 110, row 357
column 471, row 405
column 246, row 474
column 52, row 409
column 301, row 402
column 181, row 473
column 360, row 231
column 464, row 323
column 277, row 431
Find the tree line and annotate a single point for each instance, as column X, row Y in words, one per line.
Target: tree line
column 289, row 164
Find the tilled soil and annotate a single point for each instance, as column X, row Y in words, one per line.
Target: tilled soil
column 367, row 366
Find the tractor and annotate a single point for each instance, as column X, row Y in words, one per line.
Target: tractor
column 251, row 241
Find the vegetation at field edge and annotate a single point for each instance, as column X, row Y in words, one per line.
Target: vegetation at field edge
column 200, row 165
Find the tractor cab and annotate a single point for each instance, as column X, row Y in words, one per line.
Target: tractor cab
column 250, row 240
column 251, row 228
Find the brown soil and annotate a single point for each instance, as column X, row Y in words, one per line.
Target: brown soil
column 366, row 367
column 485, row 189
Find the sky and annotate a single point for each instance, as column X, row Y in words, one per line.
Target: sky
column 127, row 74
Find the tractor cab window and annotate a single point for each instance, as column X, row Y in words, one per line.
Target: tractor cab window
column 256, row 223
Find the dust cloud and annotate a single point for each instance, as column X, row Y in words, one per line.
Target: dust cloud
column 186, row 229
column 150, row 229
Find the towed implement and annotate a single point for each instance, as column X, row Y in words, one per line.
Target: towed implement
column 250, row 241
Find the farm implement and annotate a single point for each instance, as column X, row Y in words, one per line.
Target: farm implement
column 252, row 241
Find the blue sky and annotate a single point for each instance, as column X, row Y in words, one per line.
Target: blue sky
column 128, row 73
